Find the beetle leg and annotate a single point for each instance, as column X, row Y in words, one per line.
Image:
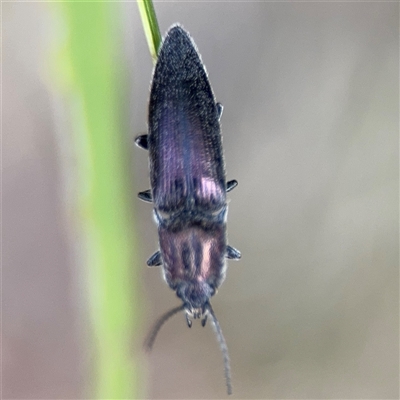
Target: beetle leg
column 203, row 321
column 146, row 196
column 155, row 260
column 232, row 253
column 142, row 142
column 220, row 108
column 231, row 185
column 188, row 321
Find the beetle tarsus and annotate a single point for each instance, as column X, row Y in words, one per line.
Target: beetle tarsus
column 142, row 142
column 232, row 253
column 204, row 321
column 155, row 260
column 146, row 196
column 220, row 108
column 231, row 185
column 188, row 321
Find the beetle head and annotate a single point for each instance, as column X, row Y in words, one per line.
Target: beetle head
column 195, row 297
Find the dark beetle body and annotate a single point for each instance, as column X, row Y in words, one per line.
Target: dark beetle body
column 187, row 175
column 187, row 172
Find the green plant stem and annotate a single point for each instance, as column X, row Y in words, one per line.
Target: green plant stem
column 150, row 26
column 103, row 192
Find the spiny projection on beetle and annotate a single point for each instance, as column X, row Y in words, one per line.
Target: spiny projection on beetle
column 188, row 183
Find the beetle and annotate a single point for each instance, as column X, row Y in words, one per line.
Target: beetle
column 188, row 183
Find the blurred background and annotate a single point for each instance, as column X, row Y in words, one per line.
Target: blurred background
column 310, row 129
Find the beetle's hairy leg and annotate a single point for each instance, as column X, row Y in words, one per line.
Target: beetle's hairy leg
column 142, row 142
column 220, row 108
column 231, row 185
column 146, row 196
column 155, row 260
column 232, row 253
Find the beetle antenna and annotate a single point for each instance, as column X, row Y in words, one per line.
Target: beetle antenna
column 151, row 337
column 224, row 348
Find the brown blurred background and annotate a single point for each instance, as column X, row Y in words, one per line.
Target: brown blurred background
column 310, row 124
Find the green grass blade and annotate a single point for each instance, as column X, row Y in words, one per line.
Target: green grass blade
column 150, row 26
column 91, row 61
